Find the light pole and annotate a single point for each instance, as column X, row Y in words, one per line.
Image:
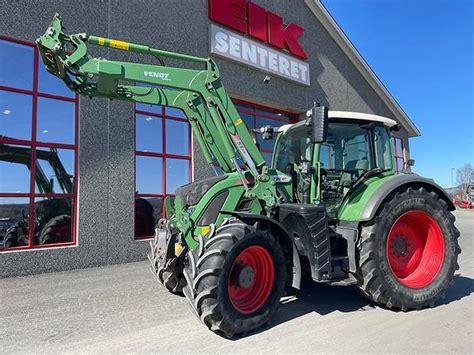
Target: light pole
column 452, row 177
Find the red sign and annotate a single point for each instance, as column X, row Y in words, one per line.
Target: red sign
column 253, row 20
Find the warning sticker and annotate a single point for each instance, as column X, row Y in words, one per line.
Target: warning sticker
column 119, row 44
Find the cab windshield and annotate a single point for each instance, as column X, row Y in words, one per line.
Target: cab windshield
column 352, row 149
column 293, row 148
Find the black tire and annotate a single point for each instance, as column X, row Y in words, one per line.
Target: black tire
column 378, row 280
column 57, row 230
column 167, row 268
column 11, row 237
column 208, row 270
column 15, row 236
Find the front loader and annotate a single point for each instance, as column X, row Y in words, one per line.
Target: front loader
column 331, row 207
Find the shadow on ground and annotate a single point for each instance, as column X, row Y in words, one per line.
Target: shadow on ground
column 324, row 299
column 462, row 287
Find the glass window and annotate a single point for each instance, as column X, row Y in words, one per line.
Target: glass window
column 50, row 84
column 53, row 221
column 271, row 113
column 15, row 115
column 17, row 63
column 49, row 204
column 177, row 137
column 267, row 145
column 149, row 175
column 177, row 174
column 54, row 170
column 148, row 211
column 174, row 112
column 14, row 222
column 149, row 133
column 15, row 162
column 326, row 156
column 399, row 154
column 400, row 164
column 355, row 148
column 398, row 146
column 256, row 117
column 249, row 120
column 55, row 122
column 152, row 155
column 294, row 148
column 382, row 148
column 268, row 158
column 155, row 109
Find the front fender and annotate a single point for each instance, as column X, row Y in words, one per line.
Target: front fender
column 365, row 200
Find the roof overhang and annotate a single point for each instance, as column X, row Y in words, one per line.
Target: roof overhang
column 348, row 48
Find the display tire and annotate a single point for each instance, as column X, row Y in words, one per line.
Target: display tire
column 56, row 230
column 11, row 237
column 226, row 309
column 414, row 224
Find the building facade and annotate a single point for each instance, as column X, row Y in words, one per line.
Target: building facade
column 82, row 180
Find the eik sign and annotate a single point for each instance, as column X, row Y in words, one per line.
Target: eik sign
column 284, row 53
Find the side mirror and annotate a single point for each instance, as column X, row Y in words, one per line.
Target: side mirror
column 319, row 124
column 411, row 162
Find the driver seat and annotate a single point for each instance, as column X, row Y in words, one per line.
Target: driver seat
column 352, row 171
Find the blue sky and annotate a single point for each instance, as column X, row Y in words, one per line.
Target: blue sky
column 422, row 50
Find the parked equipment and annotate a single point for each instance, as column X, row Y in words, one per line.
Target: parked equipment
column 331, row 206
column 466, row 198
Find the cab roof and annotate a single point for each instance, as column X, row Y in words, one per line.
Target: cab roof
column 362, row 116
column 358, row 116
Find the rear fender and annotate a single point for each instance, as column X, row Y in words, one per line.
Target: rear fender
column 366, row 200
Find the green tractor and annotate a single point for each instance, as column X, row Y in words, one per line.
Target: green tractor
column 330, row 208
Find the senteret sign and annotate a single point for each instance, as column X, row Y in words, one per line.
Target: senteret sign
column 253, row 20
column 243, row 50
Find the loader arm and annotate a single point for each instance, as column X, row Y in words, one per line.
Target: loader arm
column 217, row 126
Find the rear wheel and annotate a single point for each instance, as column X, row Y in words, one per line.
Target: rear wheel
column 408, row 254
column 236, row 278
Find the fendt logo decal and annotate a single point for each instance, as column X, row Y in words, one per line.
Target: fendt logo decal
column 253, row 20
column 154, row 74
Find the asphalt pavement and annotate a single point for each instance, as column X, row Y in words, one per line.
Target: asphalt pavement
column 121, row 309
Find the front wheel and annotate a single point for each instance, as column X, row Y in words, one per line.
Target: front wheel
column 408, row 253
column 236, row 278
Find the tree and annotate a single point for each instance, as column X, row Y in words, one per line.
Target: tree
column 464, row 176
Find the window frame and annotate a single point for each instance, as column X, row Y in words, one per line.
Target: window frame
column 34, row 144
column 163, row 155
column 250, row 108
column 396, row 156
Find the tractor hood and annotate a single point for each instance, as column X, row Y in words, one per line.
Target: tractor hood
column 190, row 194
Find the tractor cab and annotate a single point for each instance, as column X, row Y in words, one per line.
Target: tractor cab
column 357, row 146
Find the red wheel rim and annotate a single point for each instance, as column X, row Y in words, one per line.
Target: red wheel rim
column 415, row 249
column 251, row 279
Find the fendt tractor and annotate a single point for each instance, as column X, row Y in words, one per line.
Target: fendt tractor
column 331, row 206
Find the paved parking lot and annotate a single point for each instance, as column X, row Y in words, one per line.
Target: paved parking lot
column 121, row 309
